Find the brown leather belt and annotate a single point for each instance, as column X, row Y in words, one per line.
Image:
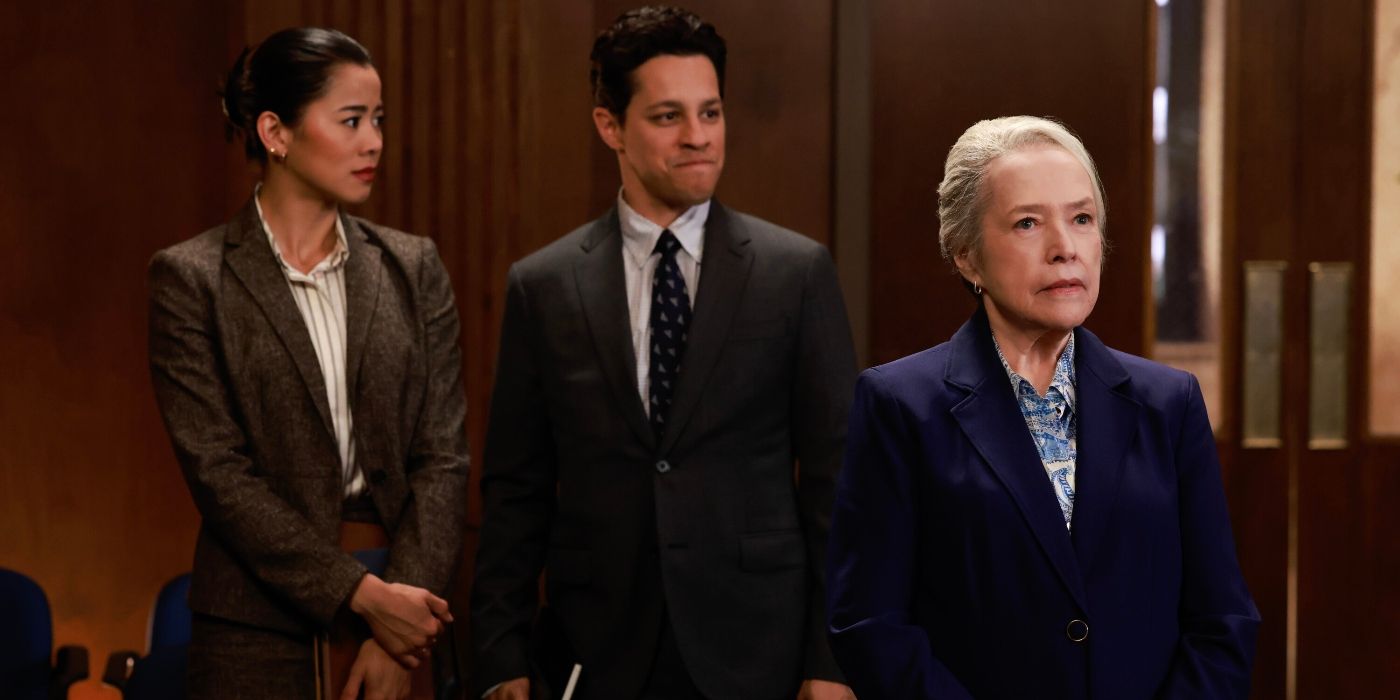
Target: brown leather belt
column 355, row 536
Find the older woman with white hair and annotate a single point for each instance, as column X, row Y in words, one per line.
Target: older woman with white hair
column 1025, row 512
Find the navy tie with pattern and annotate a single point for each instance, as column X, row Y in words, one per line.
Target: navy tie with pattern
column 670, row 322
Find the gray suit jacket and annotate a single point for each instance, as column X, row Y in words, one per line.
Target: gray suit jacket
column 711, row 525
column 245, row 405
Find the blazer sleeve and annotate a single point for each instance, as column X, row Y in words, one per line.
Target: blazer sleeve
column 518, row 502
column 872, row 565
column 267, row 535
column 821, row 401
column 428, row 541
column 1218, row 618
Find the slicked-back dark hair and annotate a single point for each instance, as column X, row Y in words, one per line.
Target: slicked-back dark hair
column 283, row 74
column 643, row 34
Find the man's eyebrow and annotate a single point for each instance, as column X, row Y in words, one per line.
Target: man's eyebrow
column 677, row 104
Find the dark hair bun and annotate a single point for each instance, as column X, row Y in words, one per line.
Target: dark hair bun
column 283, row 74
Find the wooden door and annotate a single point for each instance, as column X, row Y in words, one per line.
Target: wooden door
column 1314, row 490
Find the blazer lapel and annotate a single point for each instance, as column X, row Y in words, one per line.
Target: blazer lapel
column 602, row 289
column 992, row 421
column 1107, row 420
column 724, row 272
column 362, row 273
column 251, row 258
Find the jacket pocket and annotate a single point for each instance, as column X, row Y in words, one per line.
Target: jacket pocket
column 772, row 551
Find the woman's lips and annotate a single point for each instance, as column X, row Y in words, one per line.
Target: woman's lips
column 365, row 174
column 1066, row 286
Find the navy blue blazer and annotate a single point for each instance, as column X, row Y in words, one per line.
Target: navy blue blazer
column 951, row 573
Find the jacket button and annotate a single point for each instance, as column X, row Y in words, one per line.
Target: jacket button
column 1077, row 630
column 377, row 476
column 663, row 466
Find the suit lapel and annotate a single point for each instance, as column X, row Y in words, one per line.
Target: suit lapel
column 724, row 272
column 1107, row 420
column 992, row 421
column 362, row 273
column 602, row 288
column 251, row 258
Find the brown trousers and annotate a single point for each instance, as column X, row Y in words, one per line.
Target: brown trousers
column 230, row 661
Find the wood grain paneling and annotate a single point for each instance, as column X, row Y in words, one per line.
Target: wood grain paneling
column 1315, row 527
column 115, row 150
column 1261, row 133
column 1348, row 563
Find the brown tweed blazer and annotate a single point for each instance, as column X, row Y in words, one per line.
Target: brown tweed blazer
column 245, row 405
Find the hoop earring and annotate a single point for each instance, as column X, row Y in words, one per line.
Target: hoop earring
column 977, row 289
column 277, row 157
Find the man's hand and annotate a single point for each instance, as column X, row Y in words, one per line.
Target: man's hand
column 380, row 674
column 405, row 620
column 813, row 689
column 513, row 689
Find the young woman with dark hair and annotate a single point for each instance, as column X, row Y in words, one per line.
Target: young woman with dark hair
column 307, row 366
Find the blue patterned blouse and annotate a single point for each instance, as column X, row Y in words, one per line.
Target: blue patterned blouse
column 1051, row 420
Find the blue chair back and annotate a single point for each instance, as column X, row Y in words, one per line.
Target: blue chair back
column 376, row 560
column 171, row 619
column 160, row 674
column 26, row 637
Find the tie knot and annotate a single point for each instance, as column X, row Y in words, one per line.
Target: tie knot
column 668, row 244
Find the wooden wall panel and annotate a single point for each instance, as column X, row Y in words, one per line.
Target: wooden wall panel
column 1260, row 176
column 1347, row 635
column 116, row 151
column 938, row 67
column 1312, row 525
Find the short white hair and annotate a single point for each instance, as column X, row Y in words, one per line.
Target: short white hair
column 962, row 197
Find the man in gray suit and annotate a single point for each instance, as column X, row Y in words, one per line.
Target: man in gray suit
column 663, row 441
